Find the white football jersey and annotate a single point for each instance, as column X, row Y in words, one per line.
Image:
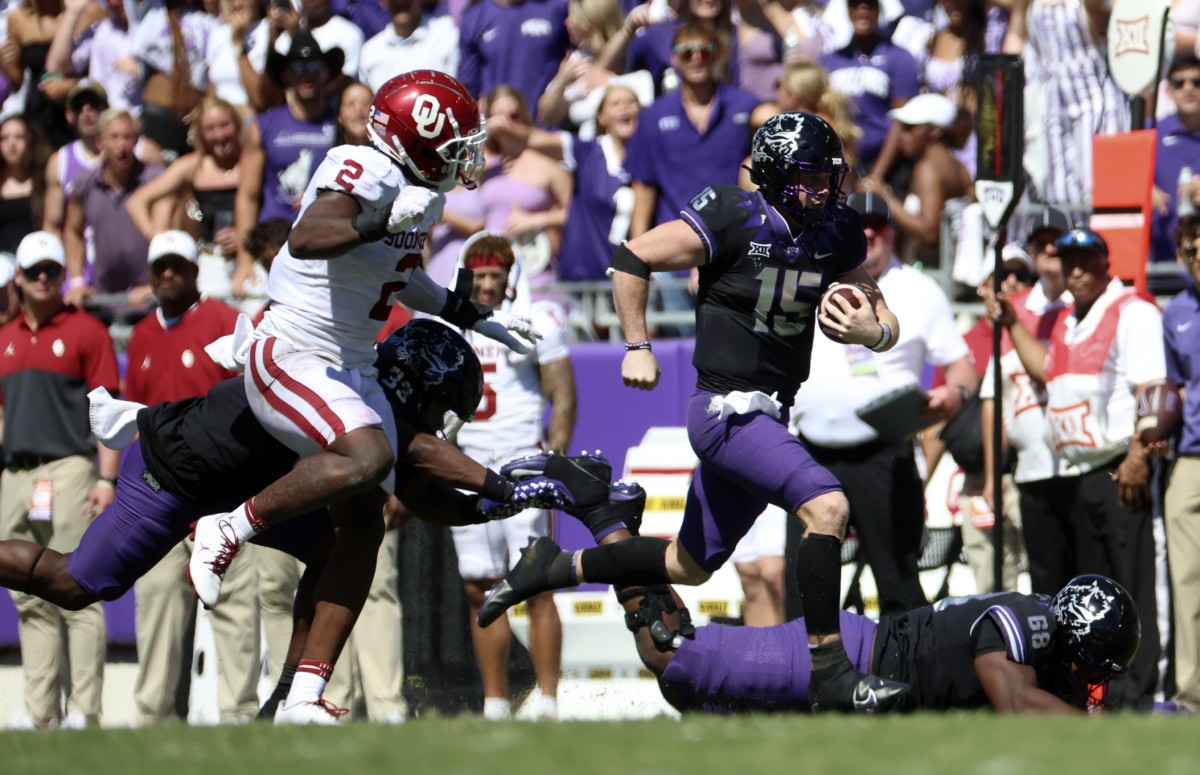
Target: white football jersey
column 512, row 409
column 339, row 305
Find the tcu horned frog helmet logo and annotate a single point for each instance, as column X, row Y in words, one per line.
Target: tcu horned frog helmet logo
column 429, row 366
column 791, row 143
column 1098, row 624
column 429, row 124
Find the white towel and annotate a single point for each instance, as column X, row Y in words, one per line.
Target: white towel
column 231, row 351
column 114, row 422
column 740, row 402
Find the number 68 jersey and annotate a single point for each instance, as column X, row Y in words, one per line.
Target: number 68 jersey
column 933, row 648
column 339, row 305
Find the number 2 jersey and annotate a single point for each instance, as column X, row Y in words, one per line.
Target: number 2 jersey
column 339, row 305
column 760, row 288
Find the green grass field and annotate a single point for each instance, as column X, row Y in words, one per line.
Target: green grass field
column 915, row 745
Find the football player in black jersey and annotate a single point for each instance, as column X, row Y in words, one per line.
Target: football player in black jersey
column 1015, row 653
column 204, row 454
column 764, row 260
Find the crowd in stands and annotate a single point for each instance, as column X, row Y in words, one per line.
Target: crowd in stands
column 125, row 120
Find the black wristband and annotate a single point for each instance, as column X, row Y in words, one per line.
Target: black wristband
column 496, row 487
column 371, row 224
column 642, row 345
column 460, row 311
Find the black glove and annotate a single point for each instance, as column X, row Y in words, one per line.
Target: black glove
column 371, row 224
column 460, row 311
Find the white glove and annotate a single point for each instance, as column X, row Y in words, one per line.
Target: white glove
column 113, row 421
column 416, row 206
column 230, row 351
column 500, row 324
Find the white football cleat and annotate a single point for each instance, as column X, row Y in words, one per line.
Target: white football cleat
column 322, row 713
column 215, row 547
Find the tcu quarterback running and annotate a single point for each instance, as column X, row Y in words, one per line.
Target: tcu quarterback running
column 355, row 248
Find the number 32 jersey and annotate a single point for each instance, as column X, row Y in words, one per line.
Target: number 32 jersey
column 759, row 291
column 339, row 305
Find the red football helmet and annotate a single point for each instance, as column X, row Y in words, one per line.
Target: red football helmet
column 429, row 124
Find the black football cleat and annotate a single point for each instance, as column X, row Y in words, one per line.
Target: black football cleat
column 845, row 690
column 623, row 509
column 527, row 578
column 593, row 464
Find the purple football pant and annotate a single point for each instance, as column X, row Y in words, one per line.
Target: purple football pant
column 144, row 522
column 746, row 462
column 756, row 669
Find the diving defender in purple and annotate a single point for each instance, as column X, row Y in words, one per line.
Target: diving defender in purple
column 193, row 457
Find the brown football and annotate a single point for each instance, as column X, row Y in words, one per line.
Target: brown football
column 1159, row 413
column 837, row 289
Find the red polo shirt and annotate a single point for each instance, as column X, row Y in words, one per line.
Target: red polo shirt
column 45, row 376
column 168, row 363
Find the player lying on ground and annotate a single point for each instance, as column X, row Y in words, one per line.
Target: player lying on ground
column 205, row 453
column 1013, row 652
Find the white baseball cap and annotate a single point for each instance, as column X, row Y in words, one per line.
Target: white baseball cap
column 39, row 246
column 8, row 267
column 926, row 109
column 172, row 243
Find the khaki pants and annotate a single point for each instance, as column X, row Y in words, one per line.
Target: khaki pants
column 372, row 664
column 45, row 628
column 166, row 606
column 278, row 577
column 980, row 553
column 1182, row 508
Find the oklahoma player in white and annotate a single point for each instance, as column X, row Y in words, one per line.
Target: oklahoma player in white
column 508, row 424
column 355, row 247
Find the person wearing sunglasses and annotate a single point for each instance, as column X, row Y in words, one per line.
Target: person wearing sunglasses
column 695, row 137
column 1105, row 352
column 56, row 478
column 1178, row 146
column 284, row 145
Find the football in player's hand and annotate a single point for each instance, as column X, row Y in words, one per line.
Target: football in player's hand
column 837, row 289
column 1159, row 413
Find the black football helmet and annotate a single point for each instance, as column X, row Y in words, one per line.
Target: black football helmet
column 791, row 143
column 430, row 370
column 1098, row 627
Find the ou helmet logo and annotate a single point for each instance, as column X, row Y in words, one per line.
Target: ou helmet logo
column 427, row 113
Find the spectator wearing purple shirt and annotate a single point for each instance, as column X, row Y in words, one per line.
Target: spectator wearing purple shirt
column 695, row 137
column 514, row 42
column 286, row 144
column 878, row 76
column 99, row 200
column 1178, row 147
column 1182, row 507
column 646, row 45
column 601, row 198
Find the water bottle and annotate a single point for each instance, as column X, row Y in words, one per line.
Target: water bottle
column 1184, row 205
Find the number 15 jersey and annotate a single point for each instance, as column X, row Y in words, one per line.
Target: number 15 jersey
column 760, row 289
column 339, row 305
